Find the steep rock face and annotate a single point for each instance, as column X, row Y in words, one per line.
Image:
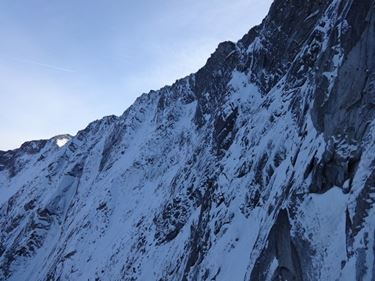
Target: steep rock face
column 258, row 167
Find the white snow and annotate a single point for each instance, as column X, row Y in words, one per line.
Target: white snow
column 61, row 141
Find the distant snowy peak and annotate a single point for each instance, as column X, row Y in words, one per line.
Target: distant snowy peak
column 61, row 140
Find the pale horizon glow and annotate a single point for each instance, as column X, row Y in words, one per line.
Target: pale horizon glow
column 64, row 64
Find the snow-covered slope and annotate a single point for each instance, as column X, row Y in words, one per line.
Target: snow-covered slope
column 260, row 166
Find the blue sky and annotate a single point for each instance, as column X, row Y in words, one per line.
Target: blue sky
column 66, row 63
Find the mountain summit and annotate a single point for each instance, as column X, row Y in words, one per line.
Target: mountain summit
column 260, row 166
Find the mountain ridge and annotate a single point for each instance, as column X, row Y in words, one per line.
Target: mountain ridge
column 260, row 166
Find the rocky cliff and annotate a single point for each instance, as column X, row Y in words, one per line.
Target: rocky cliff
column 260, row 166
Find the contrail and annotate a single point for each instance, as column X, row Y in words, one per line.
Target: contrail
column 58, row 68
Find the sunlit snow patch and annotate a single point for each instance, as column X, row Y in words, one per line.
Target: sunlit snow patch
column 61, row 141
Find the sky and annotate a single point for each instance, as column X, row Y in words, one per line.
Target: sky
column 66, row 63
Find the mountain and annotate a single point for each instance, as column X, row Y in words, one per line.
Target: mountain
column 260, row 166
